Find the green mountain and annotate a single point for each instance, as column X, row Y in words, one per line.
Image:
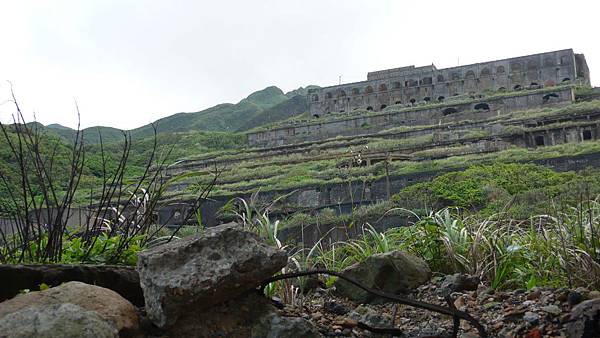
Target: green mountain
column 262, row 107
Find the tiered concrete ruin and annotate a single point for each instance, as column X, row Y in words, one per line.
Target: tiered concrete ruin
column 411, row 115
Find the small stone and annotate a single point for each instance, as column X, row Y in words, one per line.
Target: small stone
column 335, row 308
column 534, row 295
column 594, row 294
column 531, row 317
column 459, row 302
column 574, row 298
column 347, row 322
column 552, row 309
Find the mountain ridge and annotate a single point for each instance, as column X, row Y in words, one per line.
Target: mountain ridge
column 261, row 107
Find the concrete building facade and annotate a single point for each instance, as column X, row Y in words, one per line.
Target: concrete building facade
column 410, row 85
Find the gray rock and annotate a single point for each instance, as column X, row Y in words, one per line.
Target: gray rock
column 106, row 304
column 574, row 298
column 55, row 320
column 552, row 309
column 393, row 272
column 531, row 317
column 198, row 272
column 584, row 320
column 459, row 282
column 370, row 317
column 275, row 326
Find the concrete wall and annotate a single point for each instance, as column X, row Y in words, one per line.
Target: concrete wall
column 438, row 114
column 410, row 84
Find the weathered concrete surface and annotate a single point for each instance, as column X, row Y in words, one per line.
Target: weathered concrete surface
column 201, row 271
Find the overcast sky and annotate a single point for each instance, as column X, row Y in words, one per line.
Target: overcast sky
column 128, row 63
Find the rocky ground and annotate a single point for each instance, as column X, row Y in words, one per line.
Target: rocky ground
column 536, row 313
column 205, row 286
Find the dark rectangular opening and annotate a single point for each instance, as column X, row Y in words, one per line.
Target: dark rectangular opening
column 587, row 135
column 539, row 140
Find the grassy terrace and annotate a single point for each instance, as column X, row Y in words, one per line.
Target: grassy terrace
column 318, row 173
column 339, row 148
column 379, row 140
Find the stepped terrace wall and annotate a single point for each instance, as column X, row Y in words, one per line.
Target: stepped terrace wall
column 438, row 114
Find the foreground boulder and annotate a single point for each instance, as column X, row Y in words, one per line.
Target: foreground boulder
column 394, row 272
column 96, row 303
column 123, row 280
column 196, row 273
column 55, row 320
column 584, row 320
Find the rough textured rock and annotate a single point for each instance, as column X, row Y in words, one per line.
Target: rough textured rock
column 584, row 320
column 250, row 315
column 105, row 303
column 198, row 272
column 55, row 320
column 123, row 280
column 459, row 282
column 393, row 272
column 276, row 326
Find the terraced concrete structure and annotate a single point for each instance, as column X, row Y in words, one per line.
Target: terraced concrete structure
column 339, row 160
column 409, row 85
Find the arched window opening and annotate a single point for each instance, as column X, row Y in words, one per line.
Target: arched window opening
column 470, row 75
column 482, row 106
column 455, row 76
column 382, row 87
column 441, row 98
column 398, row 102
column 316, row 116
column 485, row 72
column 548, row 97
column 587, row 135
column 369, row 90
column 500, row 70
column 383, row 106
column 517, row 87
column 566, row 79
column 412, row 101
column 501, row 89
column 411, row 83
column 426, row 81
column 440, row 78
column 534, row 85
column 449, row 111
column 426, row 99
column 355, row 91
column 342, row 111
column 369, row 108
